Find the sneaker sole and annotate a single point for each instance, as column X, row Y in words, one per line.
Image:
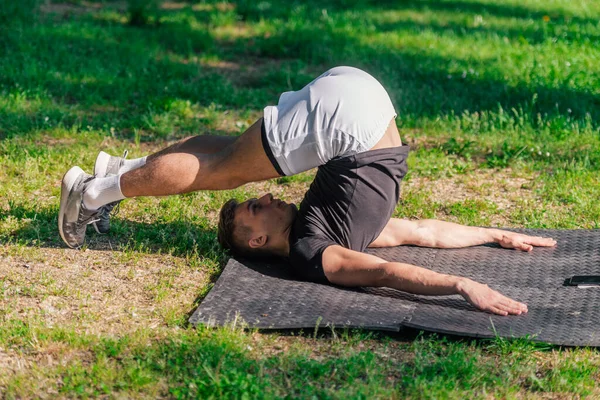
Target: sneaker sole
column 68, row 181
column 101, row 164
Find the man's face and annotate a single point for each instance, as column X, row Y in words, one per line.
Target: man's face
column 265, row 215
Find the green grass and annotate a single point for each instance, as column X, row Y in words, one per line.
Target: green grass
column 499, row 101
column 229, row 363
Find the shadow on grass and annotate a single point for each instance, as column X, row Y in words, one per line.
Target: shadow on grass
column 188, row 240
column 39, row 228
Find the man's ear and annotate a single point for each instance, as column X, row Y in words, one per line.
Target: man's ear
column 258, row 242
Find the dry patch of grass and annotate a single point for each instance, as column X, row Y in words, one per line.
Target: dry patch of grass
column 502, row 187
column 98, row 292
column 272, row 344
column 506, row 189
column 52, row 355
column 243, row 73
column 70, row 8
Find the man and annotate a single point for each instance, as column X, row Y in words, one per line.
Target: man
column 342, row 122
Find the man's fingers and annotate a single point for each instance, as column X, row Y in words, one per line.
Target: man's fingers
column 497, row 310
column 510, row 305
column 511, row 308
column 514, row 306
column 526, row 243
column 540, row 241
column 487, row 299
column 514, row 309
column 524, row 247
column 505, row 310
column 511, row 302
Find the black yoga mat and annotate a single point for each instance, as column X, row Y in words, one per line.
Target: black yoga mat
column 267, row 296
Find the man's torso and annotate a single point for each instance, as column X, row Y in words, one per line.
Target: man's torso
column 349, row 203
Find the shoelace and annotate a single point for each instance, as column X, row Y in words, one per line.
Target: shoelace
column 104, row 213
column 92, row 221
column 110, row 208
column 88, row 220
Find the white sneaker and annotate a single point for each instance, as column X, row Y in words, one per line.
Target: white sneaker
column 73, row 217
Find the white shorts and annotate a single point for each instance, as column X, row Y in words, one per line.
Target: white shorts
column 343, row 112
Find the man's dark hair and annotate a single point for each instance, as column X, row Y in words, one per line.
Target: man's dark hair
column 235, row 237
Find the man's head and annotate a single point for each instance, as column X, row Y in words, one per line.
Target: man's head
column 257, row 227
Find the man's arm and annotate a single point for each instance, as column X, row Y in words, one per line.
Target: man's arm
column 445, row 235
column 351, row 268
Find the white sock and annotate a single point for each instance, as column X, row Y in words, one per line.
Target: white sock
column 135, row 163
column 102, row 191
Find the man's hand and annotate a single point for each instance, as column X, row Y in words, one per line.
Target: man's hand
column 486, row 299
column 513, row 240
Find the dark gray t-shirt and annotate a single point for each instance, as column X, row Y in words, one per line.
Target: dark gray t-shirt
column 348, row 204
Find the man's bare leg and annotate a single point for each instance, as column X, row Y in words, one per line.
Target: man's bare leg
column 181, row 168
column 213, row 163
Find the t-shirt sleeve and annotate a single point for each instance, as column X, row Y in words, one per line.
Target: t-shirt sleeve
column 306, row 258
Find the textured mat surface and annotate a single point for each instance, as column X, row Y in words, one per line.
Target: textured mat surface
column 266, row 296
